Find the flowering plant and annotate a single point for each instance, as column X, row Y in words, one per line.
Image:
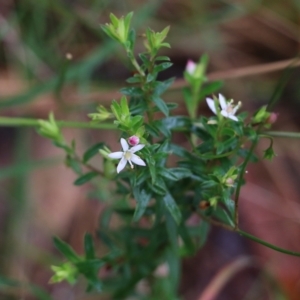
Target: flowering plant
column 156, row 199
column 127, row 156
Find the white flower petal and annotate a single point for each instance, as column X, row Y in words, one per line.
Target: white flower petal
column 137, row 160
column 121, row 164
column 211, row 104
column 225, row 113
column 232, row 117
column 115, row 155
column 124, row 144
column 222, row 101
column 235, row 109
column 137, row 148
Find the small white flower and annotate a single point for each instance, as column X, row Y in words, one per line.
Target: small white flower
column 228, row 109
column 127, row 156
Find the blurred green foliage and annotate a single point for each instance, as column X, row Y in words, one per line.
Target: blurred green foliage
column 36, row 36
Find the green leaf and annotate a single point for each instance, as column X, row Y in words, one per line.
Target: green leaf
column 222, row 215
column 114, row 20
column 136, row 122
column 90, row 265
column 116, row 109
column 172, row 105
column 172, row 207
column 210, row 89
column 161, row 67
column 141, row 176
column 132, row 91
column 162, row 106
column 89, row 246
column 161, row 58
column 127, row 19
column 144, row 58
column 187, row 94
column 162, row 128
column 159, row 187
column 73, row 164
column 132, row 38
column 152, row 130
column 152, row 167
column 66, row 250
column 175, row 174
column 189, row 247
column 90, row 269
column 167, row 173
column 124, row 106
column 161, row 87
column 179, row 151
column 85, row 178
column 91, row 152
column 135, row 79
column 177, row 123
column 150, row 77
column 162, row 153
column 142, row 198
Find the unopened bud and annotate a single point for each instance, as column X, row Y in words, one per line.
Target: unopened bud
column 133, row 140
column 190, row 67
column 229, row 182
column 272, row 118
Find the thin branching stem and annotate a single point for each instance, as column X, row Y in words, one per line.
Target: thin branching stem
column 284, row 134
column 262, row 242
column 248, row 235
column 26, row 122
column 240, row 181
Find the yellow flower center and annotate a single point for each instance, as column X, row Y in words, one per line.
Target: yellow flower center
column 128, row 155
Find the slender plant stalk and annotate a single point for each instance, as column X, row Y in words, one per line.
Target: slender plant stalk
column 248, row 235
column 239, row 183
column 284, row 134
column 135, row 63
column 262, row 242
column 24, row 122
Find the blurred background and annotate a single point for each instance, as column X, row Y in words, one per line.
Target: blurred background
column 249, row 44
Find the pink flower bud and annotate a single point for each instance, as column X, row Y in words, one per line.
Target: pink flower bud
column 133, row 140
column 190, row 67
column 272, row 118
column 229, row 182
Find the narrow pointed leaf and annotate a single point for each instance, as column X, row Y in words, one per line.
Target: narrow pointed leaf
column 85, row 178
column 172, row 207
column 66, row 250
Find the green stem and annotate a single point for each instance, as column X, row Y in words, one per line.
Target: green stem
column 135, row 63
column 195, row 95
column 239, row 183
column 254, row 238
column 193, row 113
column 248, row 235
column 26, row 122
column 284, row 134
